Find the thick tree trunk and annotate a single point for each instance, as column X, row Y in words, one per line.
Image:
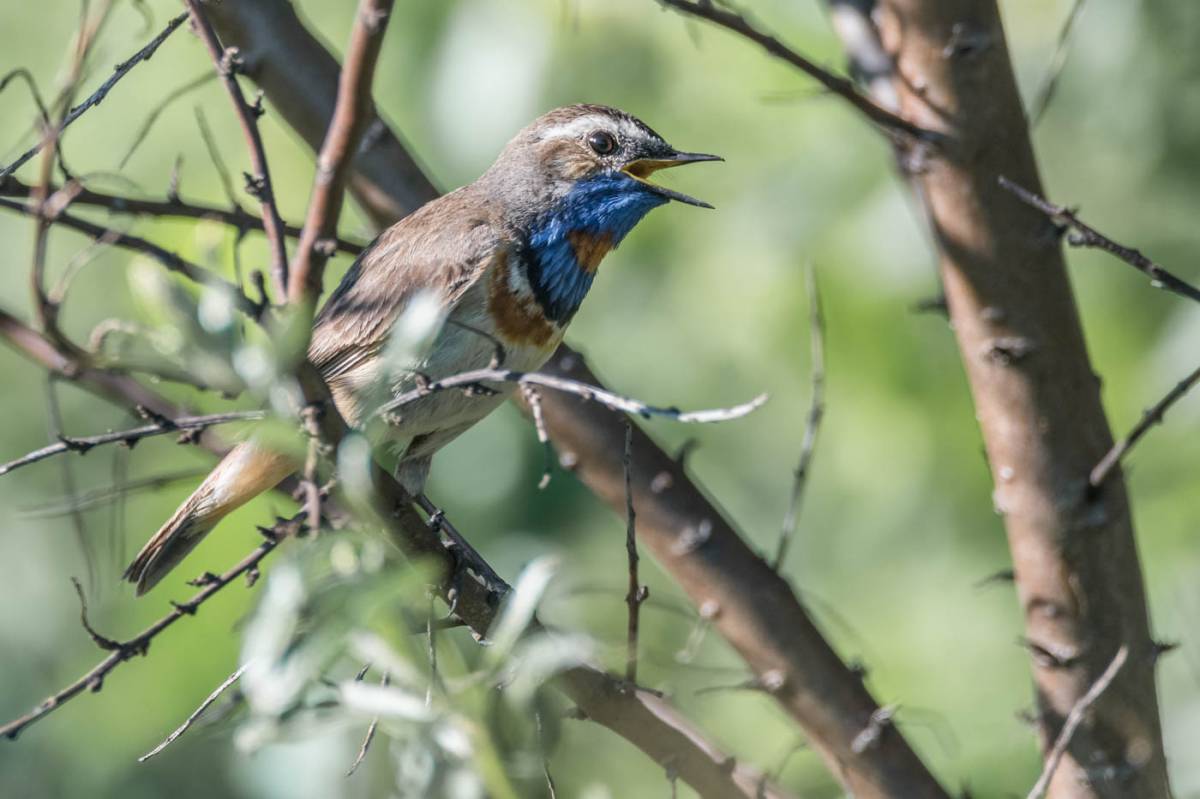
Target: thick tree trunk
column 1036, row 396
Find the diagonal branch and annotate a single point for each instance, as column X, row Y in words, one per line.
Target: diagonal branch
column 1074, row 719
column 1084, row 235
column 351, row 113
column 812, row 425
column 842, row 87
column 475, row 378
column 1153, row 416
column 120, row 204
column 121, row 651
column 98, row 96
column 259, row 184
column 172, row 261
column 159, row 426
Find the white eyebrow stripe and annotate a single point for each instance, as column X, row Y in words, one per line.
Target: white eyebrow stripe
column 626, row 130
column 576, row 127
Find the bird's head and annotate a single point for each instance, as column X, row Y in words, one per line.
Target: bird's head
column 573, row 184
column 596, row 159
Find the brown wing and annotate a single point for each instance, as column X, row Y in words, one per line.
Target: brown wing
column 442, row 247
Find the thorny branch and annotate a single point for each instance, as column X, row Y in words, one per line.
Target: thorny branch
column 372, row 728
column 637, row 593
column 1062, row 49
column 351, row 113
column 259, row 184
column 197, row 713
column 1085, row 235
column 128, row 241
column 121, row 651
column 98, row 96
column 842, row 87
column 1150, row 418
column 158, row 426
column 475, row 378
column 235, row 217
column 1074, row 719
column 816, row 413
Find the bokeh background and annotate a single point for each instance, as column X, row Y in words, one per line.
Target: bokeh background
column 698, row 309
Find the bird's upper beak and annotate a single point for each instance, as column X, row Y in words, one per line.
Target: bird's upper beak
column 641, row 168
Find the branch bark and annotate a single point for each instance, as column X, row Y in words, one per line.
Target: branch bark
column 300, row 79
column 759, row 614
column 352, row 111
column 1037, row 399
column 226, row 62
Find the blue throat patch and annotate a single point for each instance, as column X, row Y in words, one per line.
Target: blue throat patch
column 608, row 205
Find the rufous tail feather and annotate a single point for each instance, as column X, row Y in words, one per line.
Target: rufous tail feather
column 247, row 471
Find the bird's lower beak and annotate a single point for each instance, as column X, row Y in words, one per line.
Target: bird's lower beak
column 642, row 168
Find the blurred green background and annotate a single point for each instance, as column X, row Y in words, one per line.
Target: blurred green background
column 698, row 309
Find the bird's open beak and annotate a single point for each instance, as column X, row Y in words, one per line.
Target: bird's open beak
column 642, row 168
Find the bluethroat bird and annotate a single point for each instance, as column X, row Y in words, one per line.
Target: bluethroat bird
column 509, row 258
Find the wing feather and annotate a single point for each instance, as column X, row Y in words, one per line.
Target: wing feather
column 443, row 247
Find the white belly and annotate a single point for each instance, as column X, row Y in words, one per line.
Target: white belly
column 467, row 341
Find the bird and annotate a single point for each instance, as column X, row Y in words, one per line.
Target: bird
column 507, row 260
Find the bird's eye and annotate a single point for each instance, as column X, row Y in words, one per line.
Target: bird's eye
column 602, row 143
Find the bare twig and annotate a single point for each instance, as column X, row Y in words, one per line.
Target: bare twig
column 259, row 184
column 534, row 400
column 1062, row 49
column 836, row 84
column 1086, row 236
column 196, row 714
column 637, row 593
column 351, row 113
column 311, row 416
column 372, row 728
column 122, row 651
column 158, row 427
column 152, row 117
column 1151, row 417
column 1074, row 719
column 816, row 412
column 474, row 378
column 99, row 496
column 173, row 262
column 235, row 217
column 98, row 96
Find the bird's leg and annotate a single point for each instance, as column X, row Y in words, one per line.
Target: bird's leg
column 438, row 520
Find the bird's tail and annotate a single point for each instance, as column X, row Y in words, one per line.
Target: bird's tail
column 247, row 471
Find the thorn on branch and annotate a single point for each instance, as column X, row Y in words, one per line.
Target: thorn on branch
column 1051, row 658
column 107, row 644
column 882, row 719
column 205, row 578
column 231, row 62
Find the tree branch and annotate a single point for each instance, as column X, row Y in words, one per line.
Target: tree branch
column 227, row 64
column 1074, row 719
column 1153, row 416
column 173, row 262
column 235, row 217
column 97, row 96
column 1036, row 397
column 842, row 87
column 1085, row 235
column 158, row 426
column 93, row 679
column 352, row 111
